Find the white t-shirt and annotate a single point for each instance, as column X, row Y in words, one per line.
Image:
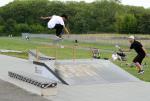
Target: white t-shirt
column 55, row 20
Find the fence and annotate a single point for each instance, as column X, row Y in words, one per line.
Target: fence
column 63, row 52
column 106, row 39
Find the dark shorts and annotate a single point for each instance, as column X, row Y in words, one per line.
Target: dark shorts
column 139, row 59
column 59, row 30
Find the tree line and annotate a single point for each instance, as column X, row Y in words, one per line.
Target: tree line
column 108, row 16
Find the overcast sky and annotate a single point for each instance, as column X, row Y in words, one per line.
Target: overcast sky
column 144, row 3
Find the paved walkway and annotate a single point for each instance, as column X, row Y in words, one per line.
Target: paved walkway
column 105, row 92
column 9, row 92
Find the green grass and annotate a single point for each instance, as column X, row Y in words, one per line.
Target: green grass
column 133, row 70
column 18, row 43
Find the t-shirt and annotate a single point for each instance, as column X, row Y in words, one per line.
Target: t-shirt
column 137, row 46
column 55, row 20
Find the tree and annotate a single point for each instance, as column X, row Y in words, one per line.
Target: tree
column 98, row 16
column 10, row 26
column 144, row 24
column 126, row 23
column 1, row 21
column 22, row 27
column 1, row 25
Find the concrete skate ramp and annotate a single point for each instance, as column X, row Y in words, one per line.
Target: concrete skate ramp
column 82, row 72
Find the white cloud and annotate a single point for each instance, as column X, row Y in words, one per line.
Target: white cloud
column 4, row 2
column 78, row 0
column 145, row 3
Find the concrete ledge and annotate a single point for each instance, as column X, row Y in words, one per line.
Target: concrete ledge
column 33, row 89
column 35, row 80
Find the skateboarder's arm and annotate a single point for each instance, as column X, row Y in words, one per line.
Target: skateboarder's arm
column 44, row 18
column 66, row 30
column 126, row 50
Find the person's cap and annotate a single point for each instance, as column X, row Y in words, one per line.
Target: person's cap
column 131, row 37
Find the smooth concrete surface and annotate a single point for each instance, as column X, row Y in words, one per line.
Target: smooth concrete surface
column 122, row 91
column 10, row 92
column 92, row 71
column 131, row 91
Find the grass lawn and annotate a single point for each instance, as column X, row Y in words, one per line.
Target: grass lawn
column 18, row 43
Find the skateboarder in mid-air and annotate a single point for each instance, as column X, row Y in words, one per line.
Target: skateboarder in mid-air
column 58, row 23
column 141, row 53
